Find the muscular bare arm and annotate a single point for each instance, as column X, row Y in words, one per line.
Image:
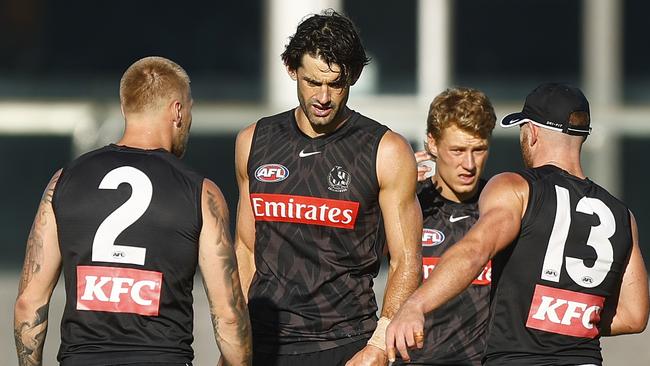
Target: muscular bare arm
column 631, row 313
column 503, row 200
column 245, row 231
column 397, row 176
column 218, row 266
column 39, row 276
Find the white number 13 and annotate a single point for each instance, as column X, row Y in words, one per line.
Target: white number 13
column 598, row 239
column 104, row 248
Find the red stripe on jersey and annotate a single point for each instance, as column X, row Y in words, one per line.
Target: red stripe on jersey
column 304, row 210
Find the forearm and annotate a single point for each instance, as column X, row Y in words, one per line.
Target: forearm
column 230, row 320
column 404, row 277
column 234, row 344
column 246, row 266
column 231, row 325
column 30, row 328
column 456, row 270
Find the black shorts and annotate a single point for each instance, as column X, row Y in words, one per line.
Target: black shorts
column 330, row 357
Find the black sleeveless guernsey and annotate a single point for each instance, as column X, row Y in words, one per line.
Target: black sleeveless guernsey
column 128, row 224
column 551, row 285
column 455, row 332
column 319, row 234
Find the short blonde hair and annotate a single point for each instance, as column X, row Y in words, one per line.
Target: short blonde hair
column 468, row 109
column 151, row 81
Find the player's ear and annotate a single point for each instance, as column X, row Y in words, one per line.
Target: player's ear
column 533, row 133
column 292, row 73
column 432, row 146
column 177, row 113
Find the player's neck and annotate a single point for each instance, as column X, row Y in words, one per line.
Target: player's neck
column 145, row 137
column 560, row 151
column 573, row 169
column 565, row 159
column 313, row 130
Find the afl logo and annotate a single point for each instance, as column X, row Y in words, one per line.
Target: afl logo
column 432, row 237
column 271, row 173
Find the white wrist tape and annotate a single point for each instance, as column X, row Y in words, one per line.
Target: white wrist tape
column 378, row 338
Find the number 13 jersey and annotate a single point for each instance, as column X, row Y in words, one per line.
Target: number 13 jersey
column 551, row 284
column 128, row 224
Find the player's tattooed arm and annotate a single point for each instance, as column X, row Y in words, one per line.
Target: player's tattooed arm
column 218, row 265
column 30, row 337
column 39, row 276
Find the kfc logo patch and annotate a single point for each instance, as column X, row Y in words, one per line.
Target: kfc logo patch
column 565, row 312
column 270, row 173
column 432, row 237
column 118, row 290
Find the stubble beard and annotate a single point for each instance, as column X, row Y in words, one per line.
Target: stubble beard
column 180, row 145
column 525, row 152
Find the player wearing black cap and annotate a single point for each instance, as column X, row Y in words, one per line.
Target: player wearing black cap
column 567, row 267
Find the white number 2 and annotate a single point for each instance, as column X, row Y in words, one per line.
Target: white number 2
column 598, row 239
column 104, row 248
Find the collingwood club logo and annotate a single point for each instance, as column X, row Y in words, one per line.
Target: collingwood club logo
column 338, row 179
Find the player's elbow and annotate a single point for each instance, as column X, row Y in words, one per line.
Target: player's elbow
column 631, row 320
column 24, row 307
column 638, row 321
column 235, row 316
column 233, row 326
column 228, row 318
column 639, row 317
column 475, row 255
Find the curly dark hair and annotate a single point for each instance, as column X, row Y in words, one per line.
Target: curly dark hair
column 333, row 38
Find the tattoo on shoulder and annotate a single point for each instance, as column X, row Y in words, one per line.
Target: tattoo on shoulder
column 213, row 206
column 49, row 190
column 34, row 250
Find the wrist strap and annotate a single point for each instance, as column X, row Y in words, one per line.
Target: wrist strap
column 378, row 338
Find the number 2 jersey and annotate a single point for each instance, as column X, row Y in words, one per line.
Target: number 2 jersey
column 455, row 332
column 128, row 223
column 319, row 235
column 551, row 284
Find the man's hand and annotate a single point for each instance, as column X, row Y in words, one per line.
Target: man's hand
column 406, row 330
column 369, row 356
column 425, row 165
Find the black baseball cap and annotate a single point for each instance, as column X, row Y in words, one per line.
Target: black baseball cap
column 550, row 106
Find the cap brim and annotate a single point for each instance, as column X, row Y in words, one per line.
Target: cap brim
column 514, row 119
